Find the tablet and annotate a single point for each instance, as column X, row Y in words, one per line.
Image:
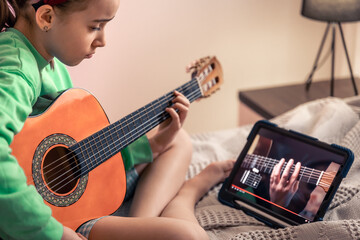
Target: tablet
column 285, row 178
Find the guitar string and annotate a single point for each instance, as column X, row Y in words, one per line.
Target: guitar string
column 81, row 169
column 311, row 179
column 253, row 179
column 272, row 162
column 191, row 97
column 87, row 147
column 187, row 86
column 77, row 171
column 314, row 173
column 326, row 176
column 307, row 174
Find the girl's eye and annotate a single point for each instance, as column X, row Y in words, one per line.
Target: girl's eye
column 95, row 28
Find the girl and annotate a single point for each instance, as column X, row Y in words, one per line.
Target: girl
column 38, row 38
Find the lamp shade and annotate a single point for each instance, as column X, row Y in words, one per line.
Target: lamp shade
column 331, row 10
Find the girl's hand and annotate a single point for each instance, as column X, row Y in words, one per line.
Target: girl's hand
column 168, row 129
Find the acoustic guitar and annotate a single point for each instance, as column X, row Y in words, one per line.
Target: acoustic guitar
column 70, row 152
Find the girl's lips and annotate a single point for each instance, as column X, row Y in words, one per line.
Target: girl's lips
column 89, row 55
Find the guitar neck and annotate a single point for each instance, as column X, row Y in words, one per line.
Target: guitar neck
column 266, row 165
column 105, row 143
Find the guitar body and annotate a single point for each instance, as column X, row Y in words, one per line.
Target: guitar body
column 43, row 142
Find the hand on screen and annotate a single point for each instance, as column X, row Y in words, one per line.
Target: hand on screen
column 284, row 185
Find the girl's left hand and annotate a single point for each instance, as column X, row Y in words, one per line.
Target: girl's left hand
column 168, row 129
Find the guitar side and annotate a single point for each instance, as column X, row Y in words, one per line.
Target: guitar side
column 76, row 114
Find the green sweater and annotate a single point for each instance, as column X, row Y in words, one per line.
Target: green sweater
column 24, row 76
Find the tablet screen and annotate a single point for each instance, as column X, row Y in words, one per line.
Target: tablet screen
column 285, row 175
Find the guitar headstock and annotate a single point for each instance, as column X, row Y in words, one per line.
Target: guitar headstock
column 209, row 74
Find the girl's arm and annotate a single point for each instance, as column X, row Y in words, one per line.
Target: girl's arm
column 23, row 214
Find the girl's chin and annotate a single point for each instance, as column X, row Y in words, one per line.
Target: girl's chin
column 73, row 63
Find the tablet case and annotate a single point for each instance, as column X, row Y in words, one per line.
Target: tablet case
column 247, row 187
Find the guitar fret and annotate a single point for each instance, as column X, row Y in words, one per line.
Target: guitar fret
column 88, row 158
column 189, row 90
column 116, row 126
column 138, row 120
column 129, row 138
column 95, row 153
column 302, row 173
column 310, row 175
column 104, row 140
column 125, row 132
column 112, row 143
column 134, row 126
column 264, row 164
column 146, row 117
column 160, row 104
column 103, row 144
column 103, row 152
column 98, row 147
column 82, row 161
column 150, row 110
column 130, row 123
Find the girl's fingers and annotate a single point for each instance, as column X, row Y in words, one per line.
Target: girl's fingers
column 175, row 118
column 179, row 97
column 182, row 110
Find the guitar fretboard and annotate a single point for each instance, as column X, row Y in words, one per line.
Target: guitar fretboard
column 266, row 165
column 102, row 145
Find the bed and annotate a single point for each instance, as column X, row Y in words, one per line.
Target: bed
column 330, row 120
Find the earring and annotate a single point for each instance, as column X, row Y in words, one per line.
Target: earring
column 46, row 28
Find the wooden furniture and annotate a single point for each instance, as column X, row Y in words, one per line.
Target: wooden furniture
column 271, row 102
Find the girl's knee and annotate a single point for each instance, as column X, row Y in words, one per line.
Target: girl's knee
column 183, row 140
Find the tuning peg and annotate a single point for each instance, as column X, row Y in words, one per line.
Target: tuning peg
column 195, row 65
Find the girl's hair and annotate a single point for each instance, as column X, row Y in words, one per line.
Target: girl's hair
column 10, row 9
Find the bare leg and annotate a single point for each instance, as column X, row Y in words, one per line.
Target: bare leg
column 162, row 179
column 177, row 221
column 182, row 206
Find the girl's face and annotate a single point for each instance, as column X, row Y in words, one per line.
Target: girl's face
column 75, row 36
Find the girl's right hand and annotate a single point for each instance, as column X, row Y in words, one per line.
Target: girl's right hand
column 70, row 234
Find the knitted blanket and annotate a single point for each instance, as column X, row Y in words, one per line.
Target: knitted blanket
column 330, row 120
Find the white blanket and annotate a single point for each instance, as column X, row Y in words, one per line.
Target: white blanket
column 330, row 120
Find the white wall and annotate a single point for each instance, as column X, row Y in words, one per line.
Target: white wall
column 259, row 43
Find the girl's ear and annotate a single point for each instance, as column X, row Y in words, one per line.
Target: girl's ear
column 45, row 17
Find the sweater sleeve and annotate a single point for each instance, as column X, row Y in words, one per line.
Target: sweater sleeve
column 23, row 214
column 137, row 152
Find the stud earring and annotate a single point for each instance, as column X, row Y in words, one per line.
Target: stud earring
column 46, row 28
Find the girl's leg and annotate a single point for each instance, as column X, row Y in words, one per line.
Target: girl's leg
column 162, row 179
column 177, row 221
column 182, row 206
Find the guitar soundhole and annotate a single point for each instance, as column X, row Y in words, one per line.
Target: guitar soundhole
column 60, row 170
